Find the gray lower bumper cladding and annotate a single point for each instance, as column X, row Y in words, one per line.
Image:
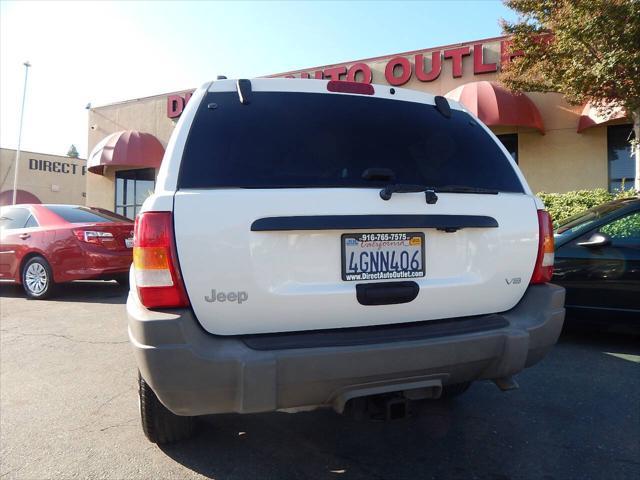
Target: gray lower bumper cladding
column 195, row 373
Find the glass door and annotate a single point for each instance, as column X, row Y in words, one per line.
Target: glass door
column 132, row 188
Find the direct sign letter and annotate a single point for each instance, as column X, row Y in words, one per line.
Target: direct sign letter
column 175, row 105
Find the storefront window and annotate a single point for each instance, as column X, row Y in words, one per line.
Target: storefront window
column 510, row 142
column 621, row 162
column 132, row 188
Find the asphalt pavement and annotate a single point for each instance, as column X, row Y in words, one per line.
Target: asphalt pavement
column 68, row 409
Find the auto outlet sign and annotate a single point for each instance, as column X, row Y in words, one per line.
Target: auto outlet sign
column 424, row 66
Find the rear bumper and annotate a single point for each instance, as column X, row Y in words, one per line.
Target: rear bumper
column 196, row 373
column 94, row 263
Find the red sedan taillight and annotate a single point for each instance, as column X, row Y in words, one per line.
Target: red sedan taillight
column 93, row 236
column 544, row 262
column 155, row 262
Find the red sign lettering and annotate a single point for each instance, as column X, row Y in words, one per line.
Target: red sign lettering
column 359, row 68
column 506, row 55
column 456, row 54
column 334, row 73
column 405, row 71
column 436, row 67
column 176, row 104
column 398, row 70
column 319, row 75
column 478, row 61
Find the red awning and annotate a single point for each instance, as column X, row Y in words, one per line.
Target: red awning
column 590, row 117
column 497, row 106
column 128, row 148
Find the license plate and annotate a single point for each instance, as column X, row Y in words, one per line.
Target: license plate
column 380, row 256
column 128, row 242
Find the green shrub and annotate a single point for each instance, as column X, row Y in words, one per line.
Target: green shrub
column 564, row 205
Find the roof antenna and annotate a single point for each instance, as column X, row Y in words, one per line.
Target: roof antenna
column 442, row 105
column 244, row 91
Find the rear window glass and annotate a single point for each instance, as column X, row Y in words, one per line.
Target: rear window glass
column 583, row 220
column 75, row 214
column 316, row 140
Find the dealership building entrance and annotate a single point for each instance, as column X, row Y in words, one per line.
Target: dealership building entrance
column 559, row 147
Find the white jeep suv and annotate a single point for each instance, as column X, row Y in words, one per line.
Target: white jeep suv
column 315, row 243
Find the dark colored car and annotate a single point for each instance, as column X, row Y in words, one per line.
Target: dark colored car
column 42, row 245
column 598, row 262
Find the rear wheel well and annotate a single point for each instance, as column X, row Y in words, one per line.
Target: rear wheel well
column 25, row 259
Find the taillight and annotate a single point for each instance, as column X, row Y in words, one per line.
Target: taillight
column 93, row 236
column 155, row 262
column 544, row 262
column 343, row 86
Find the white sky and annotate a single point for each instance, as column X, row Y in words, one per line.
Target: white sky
column 79, row 53
column 104, row 52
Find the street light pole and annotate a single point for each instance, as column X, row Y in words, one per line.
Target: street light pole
column 24, row 96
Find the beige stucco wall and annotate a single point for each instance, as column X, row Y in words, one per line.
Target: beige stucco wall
column 558, row 161
column 41, row 179
column 101, row 190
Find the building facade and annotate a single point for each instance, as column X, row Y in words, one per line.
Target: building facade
column 42, row 178
column 558, row 146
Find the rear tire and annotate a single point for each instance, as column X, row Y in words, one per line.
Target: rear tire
column 37, row 278
column 455, row 389
column 158, row 423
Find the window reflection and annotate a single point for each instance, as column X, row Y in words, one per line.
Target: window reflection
column 621, row 162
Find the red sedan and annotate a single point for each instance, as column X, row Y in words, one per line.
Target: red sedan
column 43, row 245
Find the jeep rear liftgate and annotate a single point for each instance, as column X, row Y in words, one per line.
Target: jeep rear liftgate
column 271, row 281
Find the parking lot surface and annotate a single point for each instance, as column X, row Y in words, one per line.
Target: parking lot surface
column 69, row 410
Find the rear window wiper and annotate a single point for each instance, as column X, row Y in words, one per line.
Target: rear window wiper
column 430, row 192
column 389, row 190
column 465, row 189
